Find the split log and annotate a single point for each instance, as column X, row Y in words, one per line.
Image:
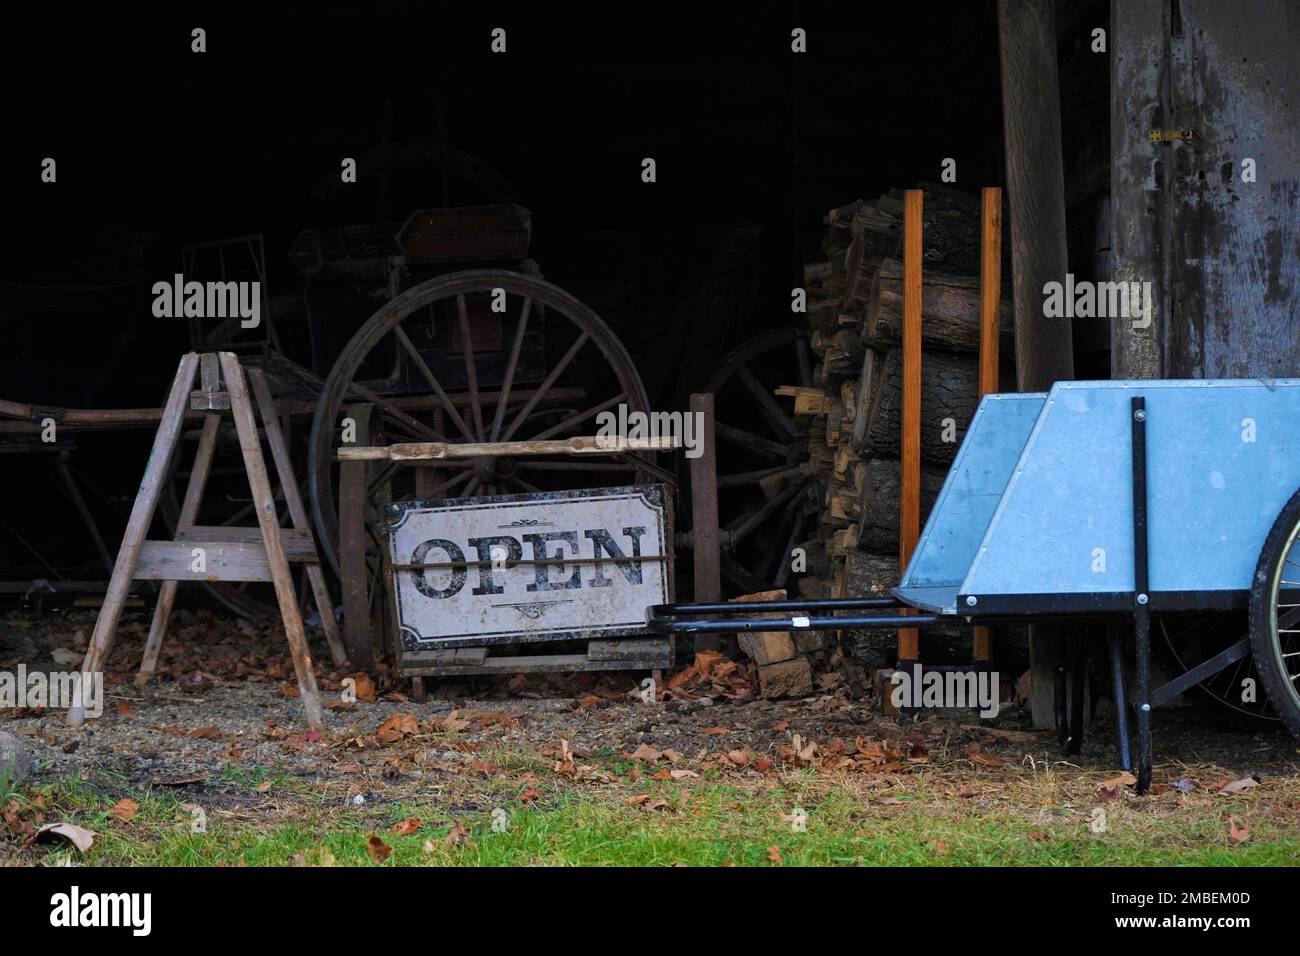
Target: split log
column 949, row 397
column 950, row 311
column 878, row 496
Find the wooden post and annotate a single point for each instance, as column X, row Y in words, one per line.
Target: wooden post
column 297, row 513
column 354, row 573
column 704, row 515
column 242, row 412
column 137, row 526
column 1031, row 121
column 990, row 298
column 909, row 524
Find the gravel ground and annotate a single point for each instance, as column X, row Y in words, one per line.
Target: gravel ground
column 221, row 716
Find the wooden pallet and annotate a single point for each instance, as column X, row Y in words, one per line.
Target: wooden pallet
column 654, row 654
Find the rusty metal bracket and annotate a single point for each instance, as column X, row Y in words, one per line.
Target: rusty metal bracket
column 1158, row 136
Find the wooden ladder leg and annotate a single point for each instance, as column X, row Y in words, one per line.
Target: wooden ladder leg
column 297, row 513
column 264, row 504
column 137, row 526
column 189, row 511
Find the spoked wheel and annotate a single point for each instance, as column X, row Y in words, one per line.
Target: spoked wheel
column 485, row 355
column 1275, row 615
column 1187, row 639
column 764, row 507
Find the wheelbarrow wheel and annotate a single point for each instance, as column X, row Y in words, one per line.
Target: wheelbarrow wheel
column 1275, row 615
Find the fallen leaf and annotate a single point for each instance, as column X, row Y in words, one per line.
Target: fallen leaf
column 715, row 730
column 1237, row 786
column 124, row 810
column 379, row 850
column 396, row 727
column 529, row 795
column 204, row 733
column 459, row 834
column 975, row 755
column 405, row 827
column 125, row 708
column 646, row 753
column 1237, row 834
column 763, row 764
column 774, row 854
column 738, row 757
column 1125, row 779
column 79, row 837
column 679, row 774
column 365, row 687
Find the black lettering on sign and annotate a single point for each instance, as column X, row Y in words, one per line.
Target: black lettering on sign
column 454, row 554
column 514, row 551
column 631, row 567
column 541, row 572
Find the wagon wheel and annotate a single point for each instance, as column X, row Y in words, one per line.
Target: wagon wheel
column 1275, row 615
column 763, row 499
column 478, row 356
column 1189, row 638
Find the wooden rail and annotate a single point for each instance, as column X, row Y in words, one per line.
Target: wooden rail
column 438, row 451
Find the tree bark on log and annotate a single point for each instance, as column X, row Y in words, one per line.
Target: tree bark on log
column 879, row 494
column 949, row 391
column 950, row 311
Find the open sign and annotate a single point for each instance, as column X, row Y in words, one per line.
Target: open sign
column 506, row 569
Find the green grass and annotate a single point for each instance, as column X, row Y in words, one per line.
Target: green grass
column 710, row 823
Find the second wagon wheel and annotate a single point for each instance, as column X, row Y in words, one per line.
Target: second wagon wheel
column 1184, row 640
column 1275, row 615
column 763, row 504
column 484, row 355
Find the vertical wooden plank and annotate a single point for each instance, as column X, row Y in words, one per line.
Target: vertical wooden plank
column 260, row 485
column 297, row 512
column 990, row 296
column 353, row 571
column 909, row 525
column 704, row 515
column 189, row 512
column 137, row 526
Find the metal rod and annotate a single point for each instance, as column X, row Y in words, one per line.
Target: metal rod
column 1141, row 608
column 689, row 626
column 746, row 607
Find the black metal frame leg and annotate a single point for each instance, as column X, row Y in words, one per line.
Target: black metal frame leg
column 1078, row 678
column 1141, row 608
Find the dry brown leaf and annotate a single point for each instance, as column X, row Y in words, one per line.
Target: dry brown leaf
column 396, row 727
column 79, row 837
column 1237, row 786
column 124, row 810
column 379, row 850
column 1237, row 834
column 646, row 753
column 204, row 733
column 405, row 827
column 1125, row 779
column 774, row 854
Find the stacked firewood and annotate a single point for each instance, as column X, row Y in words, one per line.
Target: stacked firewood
column 854, row 304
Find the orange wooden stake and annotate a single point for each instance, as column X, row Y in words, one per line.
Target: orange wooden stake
column 909, row 524
column 990, row 296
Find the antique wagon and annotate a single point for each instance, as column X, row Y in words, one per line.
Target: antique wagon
column 1122, row 499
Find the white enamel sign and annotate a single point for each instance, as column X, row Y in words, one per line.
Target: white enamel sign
column 514, row 568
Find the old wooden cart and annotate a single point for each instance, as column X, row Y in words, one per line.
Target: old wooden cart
column 1097, row 500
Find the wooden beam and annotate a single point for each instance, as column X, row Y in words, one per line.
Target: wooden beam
column 438, row 451
column 706, row 546
column 909, row 524
column 1031, row 120
column 990, row 301
column 137, row 526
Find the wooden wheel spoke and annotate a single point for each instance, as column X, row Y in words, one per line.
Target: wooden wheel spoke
column 471, row 371
column 540, row 465
column 752, row 477
column 755, row 443
column 744, row 524
column 511, row 365
column 418, row 361
column 580, row 417
column 545, row 387
column 772, row 412
column 416, row 426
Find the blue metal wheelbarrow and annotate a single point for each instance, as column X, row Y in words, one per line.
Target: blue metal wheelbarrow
column 1102, row 500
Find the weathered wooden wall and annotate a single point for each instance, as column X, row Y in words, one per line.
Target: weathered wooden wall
column 1223, row 255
